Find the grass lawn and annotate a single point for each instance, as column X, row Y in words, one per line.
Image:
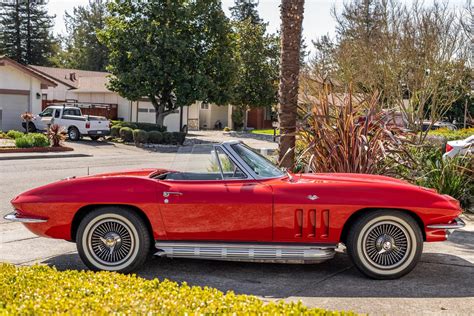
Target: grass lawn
column 264, row 131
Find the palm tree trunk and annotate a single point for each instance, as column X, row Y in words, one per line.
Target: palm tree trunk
column 291, row 27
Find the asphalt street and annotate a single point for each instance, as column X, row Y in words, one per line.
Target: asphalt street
column 442, row 283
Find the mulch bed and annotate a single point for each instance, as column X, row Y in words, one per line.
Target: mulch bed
column 34, row 150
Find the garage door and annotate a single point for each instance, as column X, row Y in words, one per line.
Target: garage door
column 11, row 107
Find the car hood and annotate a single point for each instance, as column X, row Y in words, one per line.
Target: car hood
column 352, row 177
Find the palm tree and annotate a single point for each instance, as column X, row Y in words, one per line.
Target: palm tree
column 291, row 26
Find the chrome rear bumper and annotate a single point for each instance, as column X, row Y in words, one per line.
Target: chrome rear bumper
column 456, row 224
column 13, row 217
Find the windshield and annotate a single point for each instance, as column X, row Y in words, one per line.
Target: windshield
column 260, row 165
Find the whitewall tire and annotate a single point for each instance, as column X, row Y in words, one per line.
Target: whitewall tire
column 113, row 239
column 385, row 244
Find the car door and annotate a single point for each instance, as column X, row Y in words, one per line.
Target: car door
column 232, row 208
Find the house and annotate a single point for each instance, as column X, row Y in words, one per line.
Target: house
column 89, row 90
column 20, row 91
column 32, row 88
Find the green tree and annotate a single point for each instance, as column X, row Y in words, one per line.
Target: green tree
column 246, row 9
column 82, row 47
column 257, row 58
column 173, row 52
column 25, row 32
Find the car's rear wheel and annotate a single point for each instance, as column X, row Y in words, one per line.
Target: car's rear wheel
column 113, row 239
column 73, row 134
column 385, row 244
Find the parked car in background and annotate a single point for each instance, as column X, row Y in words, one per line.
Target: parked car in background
column 459, row 147
column 227, row 202
column 72, row 120
column 437, row 125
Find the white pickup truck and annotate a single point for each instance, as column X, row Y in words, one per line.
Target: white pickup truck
column 71, row 118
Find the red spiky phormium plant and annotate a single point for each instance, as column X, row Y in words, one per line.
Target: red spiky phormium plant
column 56, row 135
column 347, row 133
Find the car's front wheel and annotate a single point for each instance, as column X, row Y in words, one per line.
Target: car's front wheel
column 113, row 239
column 385, row 244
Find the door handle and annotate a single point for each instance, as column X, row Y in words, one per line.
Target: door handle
column 167, row 194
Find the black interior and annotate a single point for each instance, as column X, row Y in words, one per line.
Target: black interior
column 197, row 176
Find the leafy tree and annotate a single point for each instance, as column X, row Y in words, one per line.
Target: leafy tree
column 25, row 31
column 257, row 58
column 246, row 9
column 173, row 52
column 415, row 56
column 291, row 29
column 83, row 49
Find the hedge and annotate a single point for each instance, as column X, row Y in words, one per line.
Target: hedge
column 15, row 134
column 155, row 137
column 140, row 136
column 449, row 135
column 126, row 133
column 40, row 290
column 32, row 140
column 115, row 131
column 138, row 125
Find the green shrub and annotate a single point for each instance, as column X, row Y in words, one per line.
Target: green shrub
column 453, row 135
column 155, row 137
column 140, row 136
column 115, row 131
column 151, row 127
column 177, row 138
column 39, row 290
column 166, row 138
column 32, row 140
column 453, row 177
column 23, row 142
column 124, row 124
column 126, row 133
column 14, row 134
column 39, row 140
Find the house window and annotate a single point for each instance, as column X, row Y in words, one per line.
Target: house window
column 204, row 106
column 44, row 96
column 141, row 110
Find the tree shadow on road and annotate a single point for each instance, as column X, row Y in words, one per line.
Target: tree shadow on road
column 436, row 276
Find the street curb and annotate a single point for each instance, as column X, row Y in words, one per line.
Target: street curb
column 44, row 156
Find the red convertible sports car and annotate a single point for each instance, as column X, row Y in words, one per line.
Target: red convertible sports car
column 237, row 205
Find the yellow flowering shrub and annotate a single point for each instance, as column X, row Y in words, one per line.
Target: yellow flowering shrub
column 43, row 290
column 453, row 135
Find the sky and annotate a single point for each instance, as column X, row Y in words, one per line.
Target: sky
column 317, row 19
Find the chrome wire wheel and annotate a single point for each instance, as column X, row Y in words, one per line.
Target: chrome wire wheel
column 386, row 244
column 111, row 242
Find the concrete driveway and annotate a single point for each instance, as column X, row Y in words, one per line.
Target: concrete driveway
column 443, row 282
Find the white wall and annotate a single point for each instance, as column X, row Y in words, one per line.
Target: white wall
column 15, row 79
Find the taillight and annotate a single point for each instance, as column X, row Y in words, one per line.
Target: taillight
column 88, row 124
column 449, row 148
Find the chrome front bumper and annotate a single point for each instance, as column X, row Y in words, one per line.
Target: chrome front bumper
column 450, row 228
column 13, row 217
column 458, row 223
